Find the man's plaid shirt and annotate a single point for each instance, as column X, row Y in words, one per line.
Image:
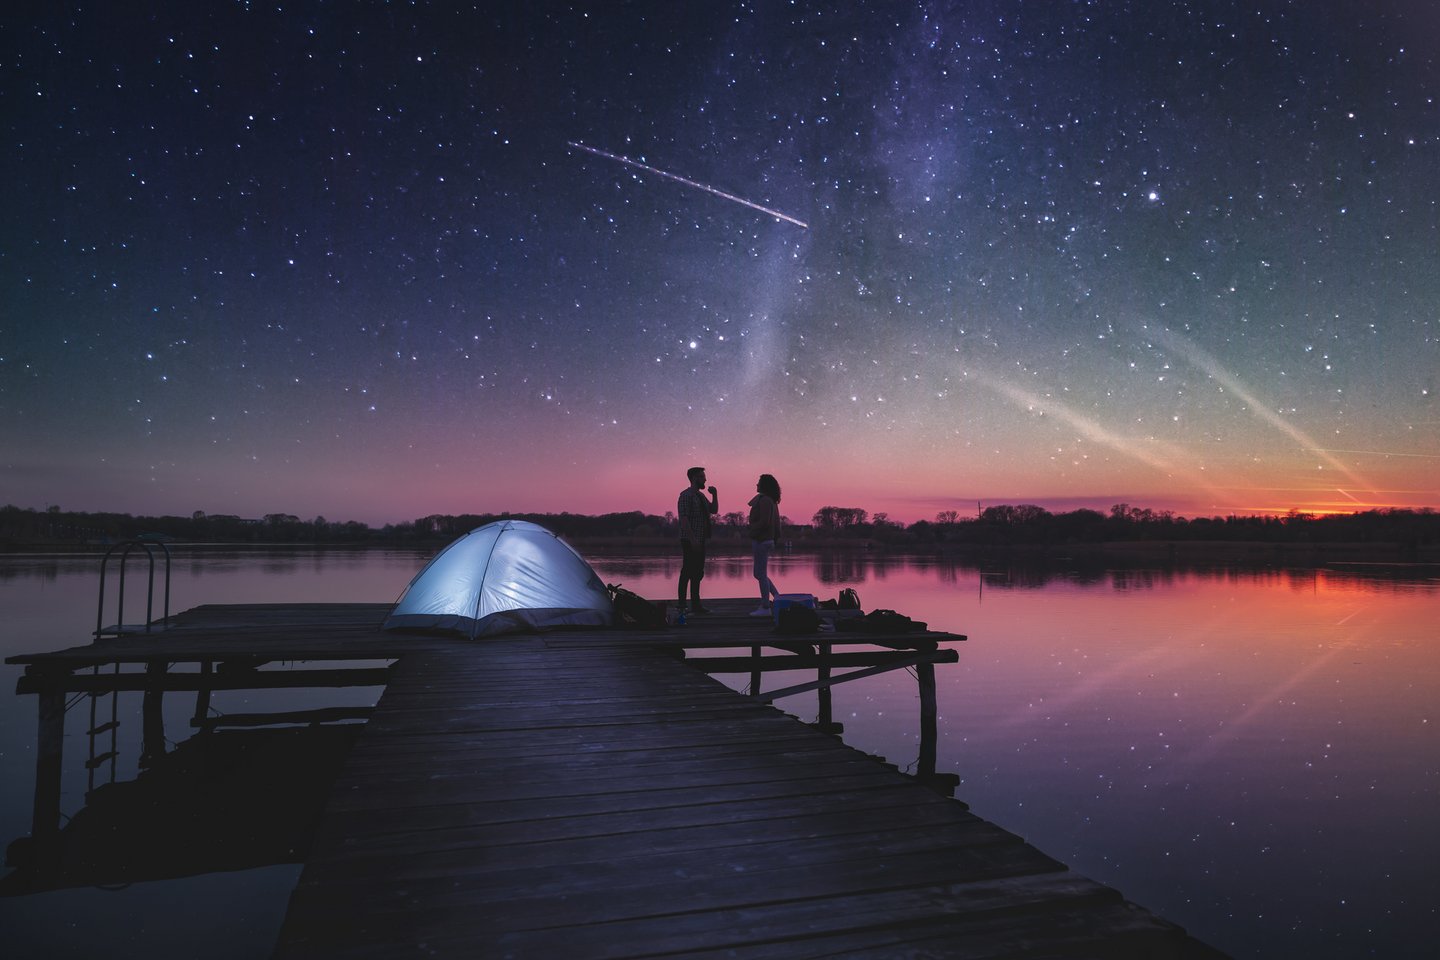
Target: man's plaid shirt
column 694, row 511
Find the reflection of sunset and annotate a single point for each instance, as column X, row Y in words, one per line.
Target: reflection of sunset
column 1170, row 668
column 1319, row 508
column 1202, row 737
column 1238, row 749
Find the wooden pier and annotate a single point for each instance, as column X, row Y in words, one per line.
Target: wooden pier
column 594, row 794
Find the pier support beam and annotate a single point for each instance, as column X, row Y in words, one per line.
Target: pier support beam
column 45, row 820
column 202, row 697
column 826, row 718
column 925, row 676
column 942, row 783
column 152, row 717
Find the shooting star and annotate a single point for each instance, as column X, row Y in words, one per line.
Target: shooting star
column 689, row 183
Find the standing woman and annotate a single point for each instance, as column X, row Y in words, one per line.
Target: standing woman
column 764, row 529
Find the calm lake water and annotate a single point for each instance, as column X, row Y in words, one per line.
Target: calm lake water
column 1252, row 754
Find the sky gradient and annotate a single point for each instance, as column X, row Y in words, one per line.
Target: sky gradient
column 378, row 261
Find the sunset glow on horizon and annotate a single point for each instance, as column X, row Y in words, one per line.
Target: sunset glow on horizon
column 378, row 264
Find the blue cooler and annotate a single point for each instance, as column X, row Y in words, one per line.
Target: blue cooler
column 794, row 600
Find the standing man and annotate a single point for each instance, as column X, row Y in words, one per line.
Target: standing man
column 695, row 513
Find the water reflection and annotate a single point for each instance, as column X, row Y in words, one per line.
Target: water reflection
column 38, row 568
column 837, row 660
column 224, row 800
column 52, row 855
column 1250, row 751
column 829, row 571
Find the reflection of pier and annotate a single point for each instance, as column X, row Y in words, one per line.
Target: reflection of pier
column 227, row 800
column 588, row 793
column 898, row 652
column 225, row 648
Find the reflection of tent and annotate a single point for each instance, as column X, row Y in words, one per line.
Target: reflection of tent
column 503, row 577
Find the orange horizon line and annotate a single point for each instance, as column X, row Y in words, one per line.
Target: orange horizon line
column 1330, row 511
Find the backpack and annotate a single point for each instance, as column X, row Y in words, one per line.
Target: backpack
column 849, row 599
column 882, row 621
column 798, row 619
column 633, row 610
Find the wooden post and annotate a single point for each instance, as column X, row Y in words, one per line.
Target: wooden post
column 91, row 732
column 755, row 674
column 925, row 678
column 202, row 697
column 152, row 717
column 942, row 783
column 825, row 721
column 826, row 718
column 45, row 822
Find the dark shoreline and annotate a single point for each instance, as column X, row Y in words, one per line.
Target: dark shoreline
column 1247, row 553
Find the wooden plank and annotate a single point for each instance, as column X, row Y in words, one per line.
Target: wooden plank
column 350, row 831
column 941, row 656
column 511, row 863
column 633, row 766
column 1084, row 923
column 606, row 837
column 191, row 682
column 803, row 661
column 318, row 715
column 588, row 805
column 810, row 928
column 733, row 883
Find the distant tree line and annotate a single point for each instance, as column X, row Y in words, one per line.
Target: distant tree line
column 54, row 525
column 1030, row 524
column 1022, row 524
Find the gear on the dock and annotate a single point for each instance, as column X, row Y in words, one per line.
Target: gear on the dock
column 881, row 621
column 633, row 610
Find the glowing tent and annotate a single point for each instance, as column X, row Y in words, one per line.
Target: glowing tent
column 504, row 577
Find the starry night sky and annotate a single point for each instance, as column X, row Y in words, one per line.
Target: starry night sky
column 343, row 259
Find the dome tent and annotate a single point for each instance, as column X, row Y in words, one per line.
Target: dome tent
column 505, row 577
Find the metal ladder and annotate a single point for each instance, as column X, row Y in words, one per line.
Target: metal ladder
column 98, row 725
column 120, row 627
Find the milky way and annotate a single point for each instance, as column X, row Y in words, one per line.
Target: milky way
column 340, row 259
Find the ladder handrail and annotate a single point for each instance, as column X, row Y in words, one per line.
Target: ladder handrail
column 125, row 547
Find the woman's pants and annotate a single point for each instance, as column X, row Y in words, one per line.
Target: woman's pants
column 762, row 569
